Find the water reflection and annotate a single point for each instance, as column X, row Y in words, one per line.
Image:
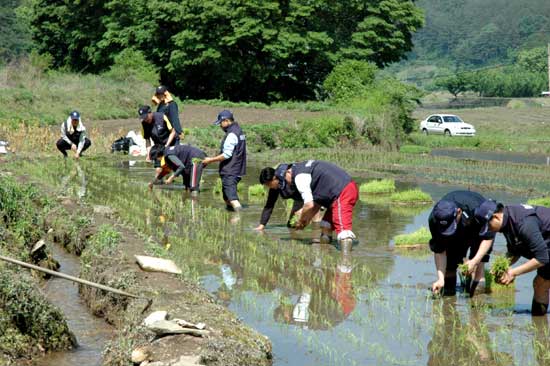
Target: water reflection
column 462, row 342
column 74, row 182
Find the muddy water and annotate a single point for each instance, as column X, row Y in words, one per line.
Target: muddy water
column 91, row 333
column 494, row 156
column 317, row 305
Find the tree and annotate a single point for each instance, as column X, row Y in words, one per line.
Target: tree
column 15, row 39
column 234, row 49
column 455, row 84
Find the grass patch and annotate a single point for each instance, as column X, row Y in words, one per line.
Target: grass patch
column 415, row 149
column 378, row 186
column 414, row 196
column 542, row 201
column 420, row 237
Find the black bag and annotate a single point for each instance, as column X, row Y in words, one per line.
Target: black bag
column 122, row 144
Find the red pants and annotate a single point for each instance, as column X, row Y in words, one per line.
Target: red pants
column 340, row 213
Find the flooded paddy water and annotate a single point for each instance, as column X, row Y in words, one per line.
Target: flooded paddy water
column 317, row 305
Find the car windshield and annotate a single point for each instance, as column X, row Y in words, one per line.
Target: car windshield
column 452, row 119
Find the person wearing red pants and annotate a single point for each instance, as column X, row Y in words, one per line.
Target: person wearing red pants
column 323, row 184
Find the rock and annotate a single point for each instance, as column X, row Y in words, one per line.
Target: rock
column 164, row 327
column 39, row 244
column 140, row 354
column 157, row 264
column 154, row 317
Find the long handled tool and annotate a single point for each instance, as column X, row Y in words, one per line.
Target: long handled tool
column 68, row 277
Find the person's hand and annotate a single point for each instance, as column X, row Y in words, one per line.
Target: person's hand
column 508, row 277
column 472, row 265
column 206, row 161
column 300, row 225
column 76, row 155
column 169, row 180
column 437, row 286
column 259, row 227
column 73, row 147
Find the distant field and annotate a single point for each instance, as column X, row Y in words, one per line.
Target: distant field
column 524, row 129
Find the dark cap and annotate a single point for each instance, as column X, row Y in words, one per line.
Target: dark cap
column 225, row 114
column 280, row 175
column 161, row 89
column 74, row 115
column 444, row 213
column 484, row 213
column 143, row 111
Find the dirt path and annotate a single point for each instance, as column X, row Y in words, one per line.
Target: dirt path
column 204, row 115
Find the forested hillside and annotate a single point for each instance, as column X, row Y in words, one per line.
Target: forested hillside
column 15, row 37
column 474, row 33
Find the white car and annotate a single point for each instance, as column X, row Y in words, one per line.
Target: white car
column 446, row 124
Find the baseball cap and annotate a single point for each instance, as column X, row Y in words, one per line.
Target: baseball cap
column 143, row 111
column 280, row 175
column 445, row 213
column 484, row 213
column 161, row 89
column 74, row 115
column 225, row 114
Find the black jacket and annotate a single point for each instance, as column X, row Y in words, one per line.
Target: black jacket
column 180, row 157
column 159, row 130
column 172, row 112
column 527, row 231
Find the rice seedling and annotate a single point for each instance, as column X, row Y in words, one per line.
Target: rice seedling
column 419, row 238
column 378, row 186
column 413, row 196
column 499, row 266
column 256, row 190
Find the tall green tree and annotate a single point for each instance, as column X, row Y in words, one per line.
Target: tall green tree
column 234, row 49
column 15, row 38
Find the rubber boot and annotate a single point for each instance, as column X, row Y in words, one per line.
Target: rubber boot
column 450, row 286
column 541, row 290
column 346, row 245
column 236, row 205
column 472, row 288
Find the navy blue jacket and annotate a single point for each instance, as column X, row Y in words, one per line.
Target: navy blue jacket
column 468, row 228
column 184, row 157
column 236, row 164
column 327, row 180
column 527, row 231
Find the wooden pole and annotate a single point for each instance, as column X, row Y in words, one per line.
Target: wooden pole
column 549, row 67
column 68, row 277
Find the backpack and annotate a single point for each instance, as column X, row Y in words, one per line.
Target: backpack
column 122, row 144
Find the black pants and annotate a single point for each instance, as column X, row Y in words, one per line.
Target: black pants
column 192, row 177
column 229, row 187
column 63, row 145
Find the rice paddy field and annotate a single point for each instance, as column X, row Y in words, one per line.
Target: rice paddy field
column 317, row 304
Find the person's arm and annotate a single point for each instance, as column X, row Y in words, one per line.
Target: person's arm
column 440, row 260
column 180, row 168
column 295, row 210
column 172, row 135
column 531, row 235
column 303, row 184
column 81, row 141
column 227, row 151
column 272, row 197
column 173, row 116
column 484, row 247
column 64, row 134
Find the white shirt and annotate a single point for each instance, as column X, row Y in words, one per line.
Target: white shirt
column 229, row 145
column 303, row 183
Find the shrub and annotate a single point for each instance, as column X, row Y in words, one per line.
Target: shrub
column 378, row 186
column 411, row 196
column 131, row 65
column 349, row 79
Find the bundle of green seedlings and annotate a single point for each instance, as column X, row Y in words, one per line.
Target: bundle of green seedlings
column 416, row 239
column 542, row 201
column 412, row 196
column 378, row 186
column 500, row 265
column 256, row 190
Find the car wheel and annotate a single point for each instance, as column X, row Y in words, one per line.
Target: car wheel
column 425, row 131
column 447, row 133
